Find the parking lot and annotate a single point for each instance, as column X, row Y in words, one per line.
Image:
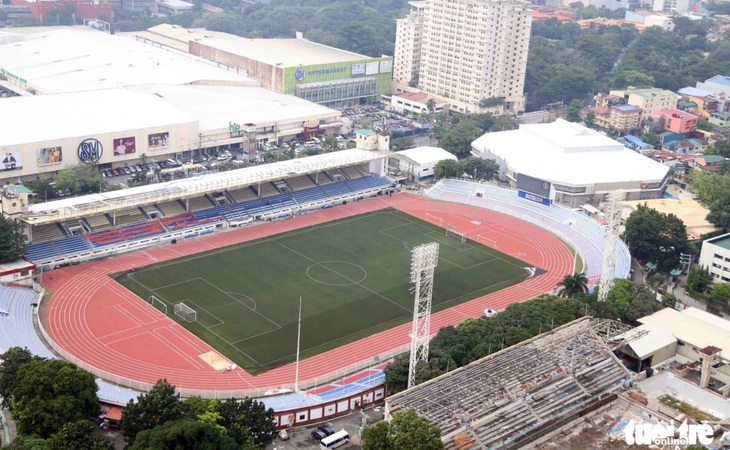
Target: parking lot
column 301, row 438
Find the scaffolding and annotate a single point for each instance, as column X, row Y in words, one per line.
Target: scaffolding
column 608, row 269
column 424, row 260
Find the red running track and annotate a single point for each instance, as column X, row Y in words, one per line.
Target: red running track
column 108, row 328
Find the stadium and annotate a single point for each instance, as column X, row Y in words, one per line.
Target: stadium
column 129, row 341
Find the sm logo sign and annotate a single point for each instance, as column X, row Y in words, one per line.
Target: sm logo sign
column 90, row 150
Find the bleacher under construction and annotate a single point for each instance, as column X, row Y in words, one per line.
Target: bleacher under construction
column 507, row 396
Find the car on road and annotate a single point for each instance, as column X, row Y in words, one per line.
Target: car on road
column 318, row 435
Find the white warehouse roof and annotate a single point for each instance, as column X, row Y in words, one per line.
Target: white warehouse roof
column 216, row 106
column 426, row 155
column 54, row 117
column 284, row 52
column 569, row 153
column 81, row 59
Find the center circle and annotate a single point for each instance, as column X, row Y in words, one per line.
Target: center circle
column 337, row 273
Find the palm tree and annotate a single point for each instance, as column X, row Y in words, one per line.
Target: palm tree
column 573, row 284
column 431, row 105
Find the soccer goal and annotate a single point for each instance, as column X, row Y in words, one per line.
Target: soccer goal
column 486, row 241
column 157, row 303
column 185, row 312
column 455, row 234
column 434, row 219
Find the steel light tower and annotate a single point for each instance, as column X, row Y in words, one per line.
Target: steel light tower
column 424, row 260
column 608, row 270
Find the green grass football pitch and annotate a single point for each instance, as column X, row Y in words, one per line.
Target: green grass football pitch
column 353, row 276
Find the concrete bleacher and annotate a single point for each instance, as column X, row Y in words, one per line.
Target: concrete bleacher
column 199, row 203
column 321, row 178
column 351, row 172
column 579, row 231
column 242, row 194
column 127, row 216
column 98, row 222
column 266, row 189
column 47, row 232
column 299, row 183
column 171, row 208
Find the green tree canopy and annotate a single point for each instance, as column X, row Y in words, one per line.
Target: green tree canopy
column 458, row 139
column 448, row 168
column 50, row 393
column 406, row 431
column 698, row 279
column 573, row 284
column 12, row 360
column 159, row 406
column 77, row 436
column 713, row 190
column 720, row 294
column 480, row 168
column 183, row 434
column 246, row 419
column 12, row 239
column 655, row 236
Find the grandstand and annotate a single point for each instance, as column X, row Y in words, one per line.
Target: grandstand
column 128, row 219
column 582, row 233
column 501, row 401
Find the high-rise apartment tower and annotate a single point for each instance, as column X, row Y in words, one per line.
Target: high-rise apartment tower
column 472, row 52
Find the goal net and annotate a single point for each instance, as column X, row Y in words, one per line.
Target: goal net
column 486, row 241
column 455, row 234
column 157, row 303
column 435, row 219
column 185, row 312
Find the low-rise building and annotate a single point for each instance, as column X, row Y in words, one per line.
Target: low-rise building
column 173, row 7
column 625, row 118
column 708, row 163
column 648, row 99
column 415, row 102
column 677, row 121
column 715, row 256
column 417, row 164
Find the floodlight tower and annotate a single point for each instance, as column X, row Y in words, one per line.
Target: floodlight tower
column 608, row 270
column 424, row 260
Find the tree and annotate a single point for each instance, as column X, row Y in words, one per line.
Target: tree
column 458, row 139
column 402, row 143
column 720, row 294
column 573, row 114
column 655, row 236
column 480, row 168
column 643, row 304
column 159, row 406
column 77, row 436
column 184, row 433
column 431, row 105
column 573, row 284
column 620, row 296
column 651, row 139
column 396, row 373
column 406, row 431
column 51, row 393
column 246, row 419
column 12, row 239
column 713, row 190
column 12, row 360
column 698, row 279
column 590, row 120
column 448, row 168
column 42, row 188
column 27, row 443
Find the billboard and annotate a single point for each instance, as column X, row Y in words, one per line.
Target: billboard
column 50, row 155
column 533, row 198
column 12, row 161
column 533, row 185
column 371, row 68
column 386, row 66
column 358, row 69
column 124, row 146
column 157, row 141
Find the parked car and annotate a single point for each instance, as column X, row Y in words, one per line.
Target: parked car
column 283, row 435
column 318, row 435
column 326, row 429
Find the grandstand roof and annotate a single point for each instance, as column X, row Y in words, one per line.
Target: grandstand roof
column 426, row 155
column 216, row 106
column 149, row 194
column 501, row 397
column 569, row 153
column 46, row 117
column 284, row 52
column 81, row 59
